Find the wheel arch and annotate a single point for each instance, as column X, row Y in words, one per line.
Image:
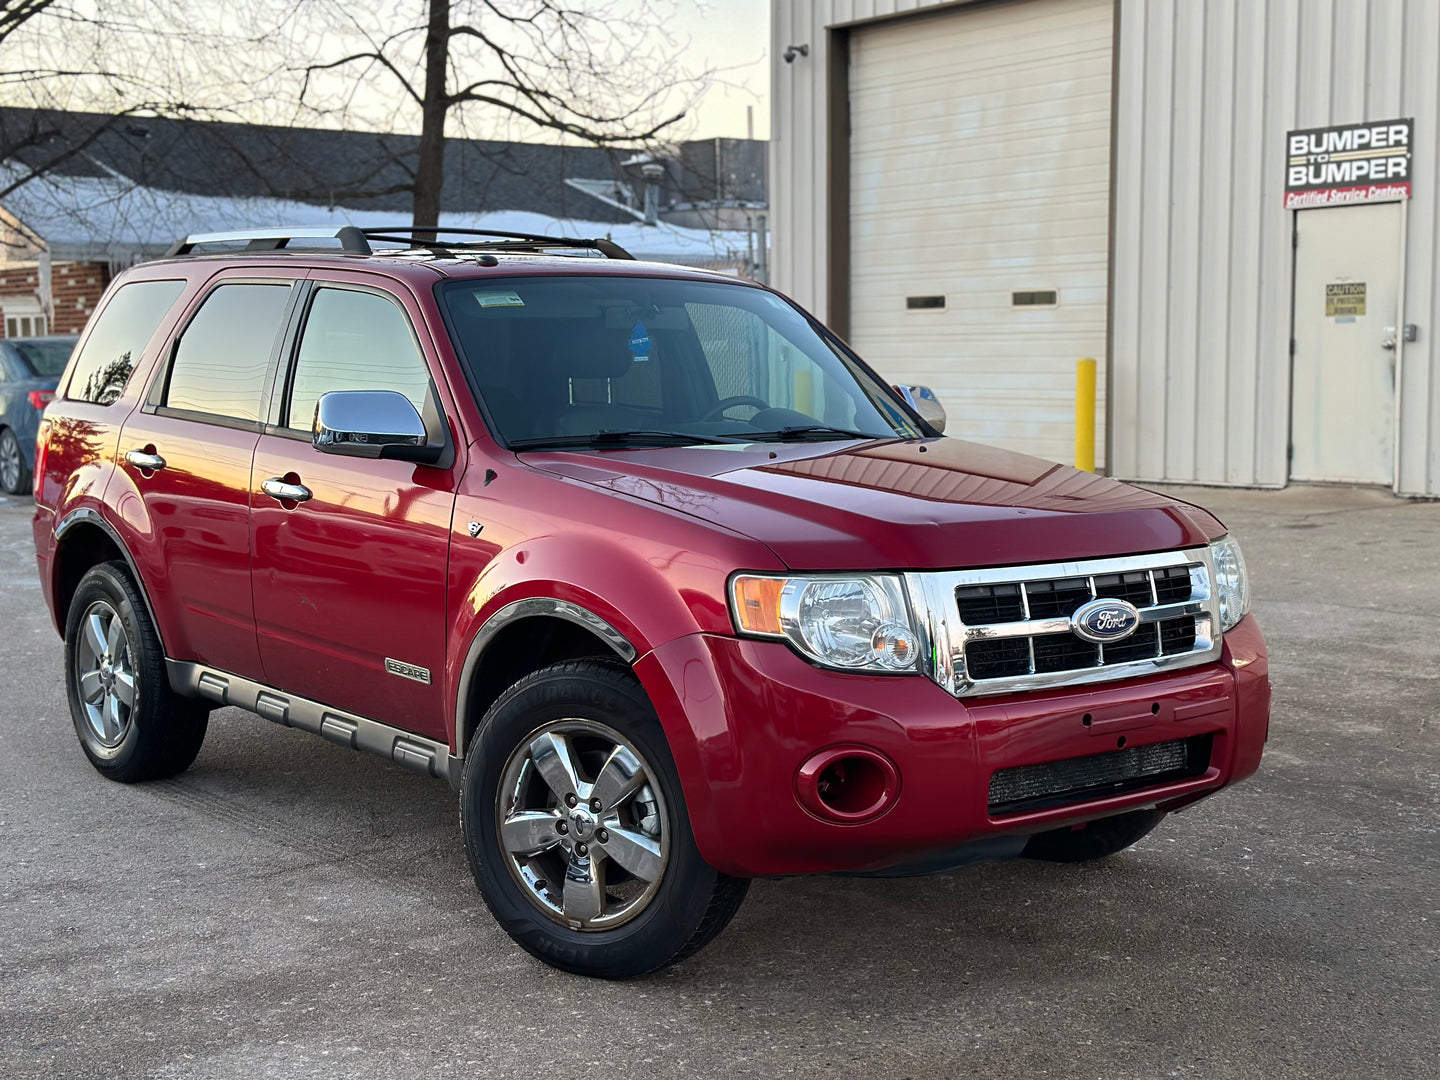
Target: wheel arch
column 84, row 539
column 522, row 637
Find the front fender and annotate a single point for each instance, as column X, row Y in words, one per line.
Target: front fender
column 631, row 595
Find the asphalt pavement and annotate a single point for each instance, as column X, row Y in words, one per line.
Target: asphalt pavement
column 290, row 908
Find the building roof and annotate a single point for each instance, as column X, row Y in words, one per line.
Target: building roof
column 109, row 218
column 363, row 170
column 122, row 189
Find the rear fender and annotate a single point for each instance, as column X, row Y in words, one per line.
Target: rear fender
column 66, row 532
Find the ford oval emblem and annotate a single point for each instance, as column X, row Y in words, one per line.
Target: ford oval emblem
column 1105, row 621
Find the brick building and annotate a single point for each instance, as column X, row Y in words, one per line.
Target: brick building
column 75, row 289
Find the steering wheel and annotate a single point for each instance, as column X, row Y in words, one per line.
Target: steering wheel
column 731, row 402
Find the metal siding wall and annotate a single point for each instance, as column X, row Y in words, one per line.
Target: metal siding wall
column 800, row 255
column 1203, row 267
column 1419, row 89
column 1200, row 376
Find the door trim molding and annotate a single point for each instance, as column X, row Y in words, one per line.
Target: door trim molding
column 1395, row 433
column 338, row 726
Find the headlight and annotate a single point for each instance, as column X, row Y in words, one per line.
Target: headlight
column 1232, row 587
column 857, row 622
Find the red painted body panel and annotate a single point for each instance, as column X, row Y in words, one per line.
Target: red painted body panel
column 81, row 440
column 188, row 529
column 382, row 562
column 652, row 572
column 353, row 576
column 915, row 504
column 743, row 716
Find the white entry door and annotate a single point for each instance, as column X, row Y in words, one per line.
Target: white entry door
column 1347, row 301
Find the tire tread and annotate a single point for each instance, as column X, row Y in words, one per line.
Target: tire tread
column 529, row 931
column 172, row 727
column 1097, row 840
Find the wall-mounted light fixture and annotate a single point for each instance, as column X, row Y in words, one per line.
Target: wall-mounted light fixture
column 792, row 51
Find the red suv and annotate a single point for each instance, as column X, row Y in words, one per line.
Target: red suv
column 645, row 561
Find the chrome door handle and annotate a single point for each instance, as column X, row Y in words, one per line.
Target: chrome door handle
column 141, row 460
column 279, row 489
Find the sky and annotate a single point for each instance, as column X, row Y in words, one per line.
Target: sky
column 732, row 36
column 190, row 49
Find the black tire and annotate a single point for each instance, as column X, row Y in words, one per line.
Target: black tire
column 688, row 904
column 160, row 732
column 15, row 478
column 1093, row 840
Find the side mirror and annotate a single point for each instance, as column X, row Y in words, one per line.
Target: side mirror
column 372, row 424
column 923, row 400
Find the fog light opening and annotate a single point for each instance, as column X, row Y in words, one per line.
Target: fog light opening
column 848, row 784
column 851, row 785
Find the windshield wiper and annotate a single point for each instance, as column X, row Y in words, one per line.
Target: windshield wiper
column 633, row 437
column 801, row 431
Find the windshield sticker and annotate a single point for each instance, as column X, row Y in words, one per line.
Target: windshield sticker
column 499, row 299
column 640, row 344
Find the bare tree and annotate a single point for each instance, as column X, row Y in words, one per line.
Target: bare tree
column 16, row 13
column 111, row 60
column 579, row 71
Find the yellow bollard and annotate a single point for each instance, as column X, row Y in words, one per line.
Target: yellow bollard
column 805, row 391
column 1085, row 415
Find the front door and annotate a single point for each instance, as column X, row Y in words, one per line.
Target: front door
column 350, row 584
column 1347, row 300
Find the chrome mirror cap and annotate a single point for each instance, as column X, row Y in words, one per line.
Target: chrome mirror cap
column 923, row 400
column 368, row 423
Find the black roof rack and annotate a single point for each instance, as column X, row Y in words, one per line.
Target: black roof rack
column 357, row 241
column 494, row 241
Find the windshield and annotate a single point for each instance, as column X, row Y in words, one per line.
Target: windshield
column 565, row 361
column 45, row 358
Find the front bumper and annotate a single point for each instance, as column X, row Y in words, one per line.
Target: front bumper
column 743, row 716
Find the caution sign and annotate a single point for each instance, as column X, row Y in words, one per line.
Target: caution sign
column 1345, row 298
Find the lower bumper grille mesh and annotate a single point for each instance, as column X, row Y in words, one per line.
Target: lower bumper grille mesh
column 1055, row 783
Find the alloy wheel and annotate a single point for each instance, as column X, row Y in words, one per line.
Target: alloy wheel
column 583, row 824
column 10, row 463
column 105, row 674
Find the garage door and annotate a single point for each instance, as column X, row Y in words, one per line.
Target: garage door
column 979, row 197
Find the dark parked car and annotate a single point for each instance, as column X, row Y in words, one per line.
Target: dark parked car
column 644, row 560
column 29, row 370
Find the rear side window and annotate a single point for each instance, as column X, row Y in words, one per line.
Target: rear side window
column 46, row 359
column 224, row 354
column 355, row 341
column 119, row 338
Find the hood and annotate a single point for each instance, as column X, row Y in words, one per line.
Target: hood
column 896, row 505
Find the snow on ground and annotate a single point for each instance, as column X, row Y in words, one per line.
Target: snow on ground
column 85, row 216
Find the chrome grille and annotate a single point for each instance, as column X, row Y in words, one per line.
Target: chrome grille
column 1007, row 629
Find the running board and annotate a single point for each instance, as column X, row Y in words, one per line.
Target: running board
column 414, row 752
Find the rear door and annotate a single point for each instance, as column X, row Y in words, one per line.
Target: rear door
column 350, row 584
column 188, row 454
